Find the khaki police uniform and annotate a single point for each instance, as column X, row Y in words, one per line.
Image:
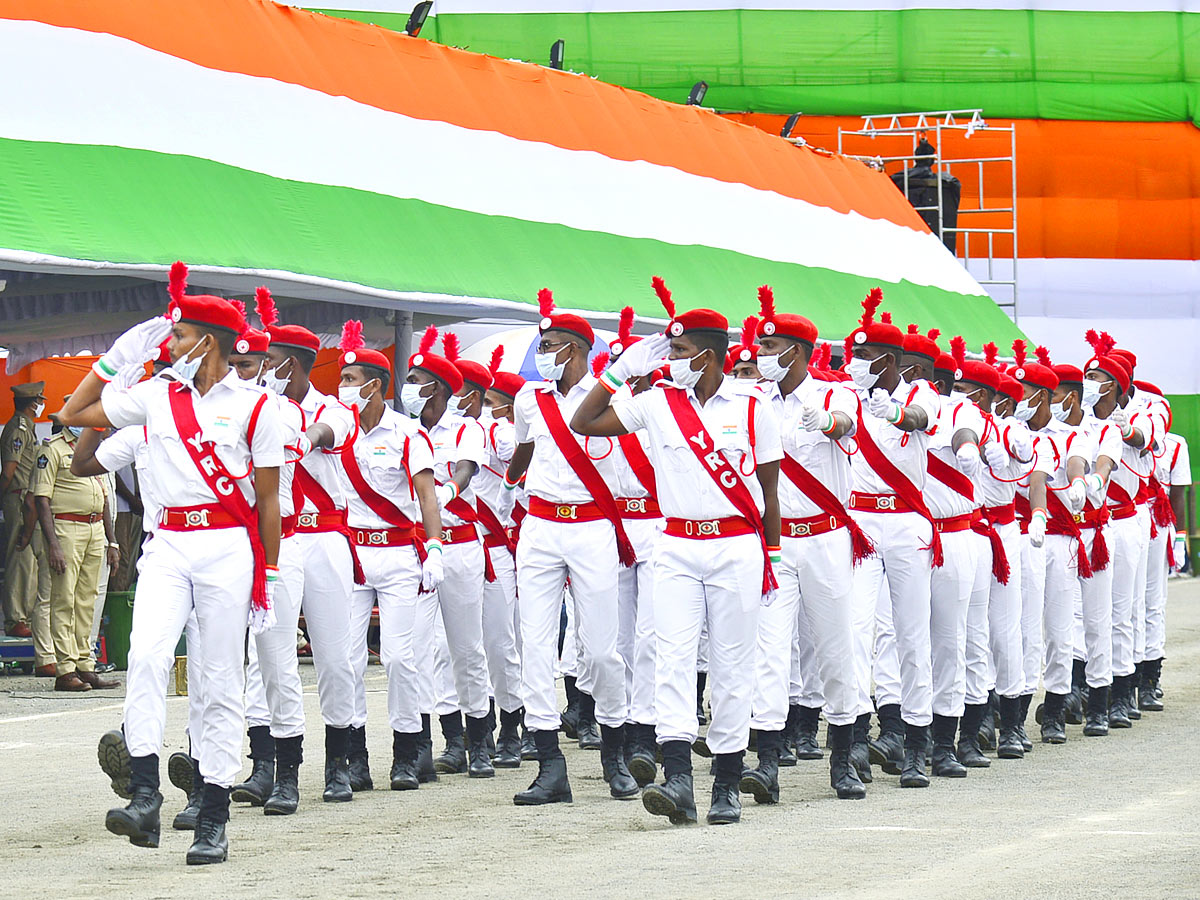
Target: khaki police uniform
column 17, row 444
column 77, row 504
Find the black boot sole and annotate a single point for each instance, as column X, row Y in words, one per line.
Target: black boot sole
column 243, row 794
column 914, row 781
column 181, row 772
column 113, row 756
column 121, row 825
column 723, row 818
column 489, row 772
column 700, row 748
column 278, row 810
column 448, row 768
column 206, row 859
column 643, row 770
column 658, row 803
column 184, row 822
column 560, row 797
column 751, row 783
column 859, row 792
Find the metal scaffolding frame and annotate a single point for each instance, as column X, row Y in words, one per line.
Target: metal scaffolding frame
column 999, row 272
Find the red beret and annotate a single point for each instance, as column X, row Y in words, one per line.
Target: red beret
column 921, row 345
column 576, row 325
column 979, row 373
column 878, row 333
column 251, row 341
column 740, row 354
column 1113, row 367
column 789, row 326
column 1068, row 374
column 507, row 383
column 211, row 312
column 294, row 336
column 1127, row 357
column 1148, row 387
column 698, row 320
column 364, row 357
column 945, row 363
column 474, row 373
column 1011, row 387
column 1035, row 374
column 619, row 346
column 439, row 367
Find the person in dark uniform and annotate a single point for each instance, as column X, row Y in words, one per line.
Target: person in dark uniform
column 920, row 185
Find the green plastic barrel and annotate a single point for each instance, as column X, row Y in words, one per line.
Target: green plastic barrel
column 117, row 624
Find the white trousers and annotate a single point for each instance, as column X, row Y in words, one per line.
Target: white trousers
column 274, row 694
column 950, row 597
column 901, row 542
column 393, row 577
column 1032, row 565
column 547, row 554
column 1139, row 587
column 1096, row 609
column 1156, row 594
column 328, row 581
column 635, row 618
column 1061, row 582
column 883, row 658
column 773, row 652
column 459, row 599
column 1127, row 539
column 804, row 682
column 209, row 571
column 980, row 670
column 718, row 582
column 1004, row 619
column 500, row 631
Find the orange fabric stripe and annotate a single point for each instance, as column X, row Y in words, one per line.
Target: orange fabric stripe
column 429, row 81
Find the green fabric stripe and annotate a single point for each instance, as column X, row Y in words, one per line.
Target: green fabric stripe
column 133, row 206
column 1120, row 66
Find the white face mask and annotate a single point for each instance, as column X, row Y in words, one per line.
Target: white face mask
column 351, row 395
column 411, row 399
column 38, row 409
column 1091, row 393
column 462, row 405
column 271, row 379
column 186, row 367
column 682, row 372
column 1024, row 412
column 771, row 368
column 860, row 370
column 547, row 365
column 1059, row 411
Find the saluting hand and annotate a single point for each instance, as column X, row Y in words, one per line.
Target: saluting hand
column 642, row 358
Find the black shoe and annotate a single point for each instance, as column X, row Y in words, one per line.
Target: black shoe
column 1054, row 722
column 425, row 768
column 674, row 799
column 337, row 781
column 943, row 762
column 1026, row 743
column 916, row 740
column 479, row 761
column 843, row 776
column 186, row 818
column 787, row 747
column 806, row 734
column 887, row 751
column 700, row 747
column 453, row 760
column 1076, row 706
column 1118, row 708
column 1147, row 695
column 405, row 752
column 551, row 784
column 763, row 782
column 987, row 725
column 621, row 784
column 508, row 742
column 726, row 806
column 113, row 756
column 1008, row 744
column 257, row 788
column 969, row 752
column 181, row 772
column 860, row 747
column 528, row 746
column 701, row 683
column 1131, row 683
column 587, row 729
column 641, row 759
column 139, row 819
column 570, row 715
column 1096, row 724
column 360, row 761
column 211, row 844
column 285, row 795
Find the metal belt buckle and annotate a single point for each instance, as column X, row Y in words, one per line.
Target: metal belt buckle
column 635, row 505
column 306, row 520
column 447, row 536
column 377, row 537
column 195, row 518
column 800, row 529
column 708, row 529
column 888, row 502
column 1078, row 517
column 566, row 512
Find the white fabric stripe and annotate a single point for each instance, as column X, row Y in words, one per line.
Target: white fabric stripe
column 450, row 7
column 84, row 88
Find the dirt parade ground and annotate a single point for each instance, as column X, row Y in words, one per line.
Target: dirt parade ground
column 1112, row 817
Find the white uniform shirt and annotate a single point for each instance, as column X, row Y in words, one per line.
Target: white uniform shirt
column 455, row 437
column 956, row 413
column 550, row 476
column 488, row 482
column 323, row 465
column 1054, row 445
column 223, row 414
column 380, row 453
column 998, row 488
column 686, row 490
column 823, row 458
column 905, row 449
column 127, row 446
column 291, row 425
column 1176, row 464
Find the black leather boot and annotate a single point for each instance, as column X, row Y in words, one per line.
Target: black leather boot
column 969, row 752
column 337, row 767
column 1096, row 724
column 405, row 750
column 489, row 729
column 860, row 748
column 285, row 796
column 675, row 798
column 987, row 726
column 763, row 782
column 113, row 756
column 641, row 758
column 479, row 760
column 806, row 734
column 360, row 761
column 589, row 731
column 701, row 684
column 843, row 777
column 508, row 743
column 425, row 769
column 211, row 845
column 621, row 784
column 1076, row 704
column 1118, row 710
column 887, row 750
column 916, row 740
column 1054, row 719
column 528, row 746
column 139, row 819
column 1023, row 715
column 787, row 747
column 185, row 819
column 1147, row 696
column 726, row 806
column 1158, row 688
column 181, row 772
column 257, row 788
column 453, row 760
column 570, row 715
column 551, row 784
column 943, row 762
column 1008, row 744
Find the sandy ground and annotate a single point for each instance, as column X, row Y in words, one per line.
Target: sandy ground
column 1112, row 817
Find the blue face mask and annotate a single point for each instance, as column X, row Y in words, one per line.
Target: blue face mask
column 186, row 367
column 76, row 430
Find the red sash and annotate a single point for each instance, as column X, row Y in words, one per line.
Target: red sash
column 898, row 482
column 950, row 477
column 1062, row 522
column 308, row 487
column 221, row 483
column 378, row 504
column 696, row 436
column 639, row 462
column 465, row 511
column 491, row 521
column 961, row 484
column 586, row 472
column 830, row 505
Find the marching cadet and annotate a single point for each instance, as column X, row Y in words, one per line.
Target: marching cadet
column 821, row 545
column 217, row 547
column 17, row 451
column 716, row 453
column 573, row 530
column 76, row 523
column 388, row 467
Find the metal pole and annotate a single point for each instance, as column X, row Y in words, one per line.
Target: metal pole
column 403, row 335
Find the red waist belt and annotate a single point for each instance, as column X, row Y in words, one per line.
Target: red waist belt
column 880, row 503
column 639, row 508
column 707, row 529
column 1092, row 518
column 382, row 537
column 492, row 540
column 317, row 522
column 196, row 518
column 1001, row 515
column 455, row 534
column 85, row 518
column 809, row 526
column 564, row 512
column 1124, row 511
column 1144, row 493
column 955, row 524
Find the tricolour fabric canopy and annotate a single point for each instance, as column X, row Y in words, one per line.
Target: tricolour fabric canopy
column 256, row 141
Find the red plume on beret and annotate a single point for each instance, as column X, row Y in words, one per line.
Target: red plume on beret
column 177, row 281
column 625, row 338
column 824, row 354
column 569, row 322
column 438, row 366
column 773, row 324
column 990, row 352
column 450, row 346
column 749, row 327
column 934, row 334
column 1104, row 360
column 545, row 302
column 664, row 295
column 497, row 358
column 264, row 305
column 352, row 336
column 766, row 302
column 354, row 352
column 1018, row 347
column 201, row 309
column 886, row 318
column 913, row 329
column 1036, row 374
column 746, row 350
column 870, row 304
column 958, row 349
column 239, row 306
column 504, row 382
column 428, row 339
column 1043, row 356
column 599, row 361
column 871, row 332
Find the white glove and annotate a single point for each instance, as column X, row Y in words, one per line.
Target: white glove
column 1037, row 527
column 969, row 461
column 302, row 447
column 1180, row 549
column 128, row 376
column 1076, row 495
column 1120, row 418
column 264, row 619
column 641, row 359
column 881, row 405
column 995, row 454
column 504, row 441
column 136, row 346
column 1096, row 489
column 1020, row 443
column 432, row 570
column 445, row 493
column 813, row 418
